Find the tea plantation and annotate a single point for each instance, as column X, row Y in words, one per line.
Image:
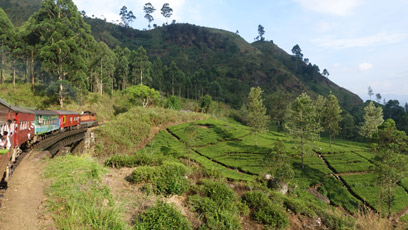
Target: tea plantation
column 229, row 147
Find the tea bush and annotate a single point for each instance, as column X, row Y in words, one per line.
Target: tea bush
column 162, row 216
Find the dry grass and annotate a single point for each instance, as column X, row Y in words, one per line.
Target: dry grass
column 369, row 220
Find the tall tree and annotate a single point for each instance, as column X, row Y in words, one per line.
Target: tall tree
column 166, row 11
column 391, row 165
column 64, row 38
column 301, row 121
column 370, row 92
column 378, row 97
column 331, row 116
column 320, row 104
column 7, row 32
column 297, row 52
column 123, row 15
column 257, row 118
column 373, row 118
column 261, row 32
column 130, row 17
column 149, row 9
column 326, row 73
column 157, row 74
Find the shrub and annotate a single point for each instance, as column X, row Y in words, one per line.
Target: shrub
column 143, row 174
column 162, row 216
column 220, row 193
column 298, row 207
column 273, row 216
column 137, row 159
column 173, row 103
column 256, row 199
column 213, row 216
column 166, row 179
column 171, row 179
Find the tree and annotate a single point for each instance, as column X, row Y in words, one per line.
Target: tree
column 326, row 73
column 64, row 38
column 149, row 9
column 378, row 97
column 205, row 104
column 130, row 17
column 348, row 127
column 276, row 103
column 297, row 52
column 370, row 92
column 173, row 103
column 123, row 15
column 331, row 116
column 7, row 32
column 261, row 32
column 257, row 118
column 279, row 163
column 391, row 165
column 166, row 11
column 301, row 121
column 142, row 95
column 373, row 118
column 320, row 107
column 142, row 64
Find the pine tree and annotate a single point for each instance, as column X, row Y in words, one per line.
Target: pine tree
column 257, row 118
column 301, row 121
column 331, row 116
column 320, row 104
column 373, row 118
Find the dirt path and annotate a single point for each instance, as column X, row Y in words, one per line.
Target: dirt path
column 23, row 203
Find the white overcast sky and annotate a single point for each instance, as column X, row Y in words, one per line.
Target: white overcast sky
column 360, row 42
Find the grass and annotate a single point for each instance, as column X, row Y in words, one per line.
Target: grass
column 364, row 186
column 78, row 200
column 127, row 130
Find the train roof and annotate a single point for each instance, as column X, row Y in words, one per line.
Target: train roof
column 5, row 103
column 21, row 110
column 45, row 112
column 61, row 112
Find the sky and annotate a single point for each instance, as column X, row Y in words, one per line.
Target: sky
column 361, row 43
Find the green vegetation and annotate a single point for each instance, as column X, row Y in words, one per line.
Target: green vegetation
column 217, row 205
column 168, row 178
column 127, row 130
column 78, row 199
column 162, row 216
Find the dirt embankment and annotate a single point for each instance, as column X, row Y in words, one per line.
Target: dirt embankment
column 23, row 205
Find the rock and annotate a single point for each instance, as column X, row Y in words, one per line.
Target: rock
column 268, row 177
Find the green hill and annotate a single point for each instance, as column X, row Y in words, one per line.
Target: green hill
column 227, row 58
column 231, row 65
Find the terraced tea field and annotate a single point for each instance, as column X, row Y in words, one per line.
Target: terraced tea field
column 342, row 173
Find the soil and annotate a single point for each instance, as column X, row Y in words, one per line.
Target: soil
column 23, row 205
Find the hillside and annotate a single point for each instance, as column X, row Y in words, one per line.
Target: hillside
column 227, row 58
column 231, row 65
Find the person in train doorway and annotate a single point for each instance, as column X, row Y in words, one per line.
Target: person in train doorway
column 3, row 142
column 9, row 128
column 6, row 139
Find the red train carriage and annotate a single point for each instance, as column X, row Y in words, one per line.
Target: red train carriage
column 88, row 119
column 24, row 125
column 5, row 111
column 68, row 119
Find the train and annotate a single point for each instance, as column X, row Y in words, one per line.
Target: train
column 26, row 127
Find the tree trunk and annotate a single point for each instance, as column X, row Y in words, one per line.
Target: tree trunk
column 141, row 76
column 14, row 75
column 32, row 67
column 3, row 58
column 389, row 201
column 26, row 70
column 301, row 147
column 101, row 88
column 330, row 137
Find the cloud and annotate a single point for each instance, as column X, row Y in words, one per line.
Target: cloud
column 333, row 7
column 377, row 39
column 365, row 66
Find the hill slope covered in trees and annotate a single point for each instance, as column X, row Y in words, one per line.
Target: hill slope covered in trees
column 213, row 61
